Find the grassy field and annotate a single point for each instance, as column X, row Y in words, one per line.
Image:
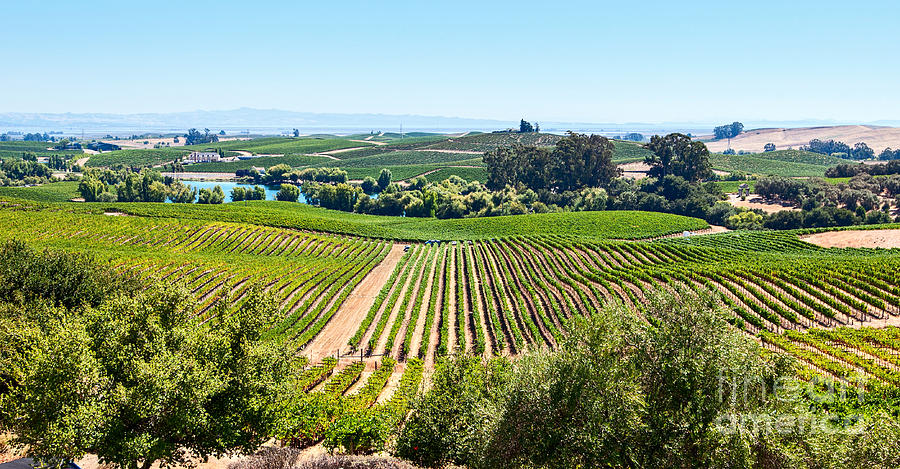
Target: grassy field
column 627, row 152
column 596, row 225
column 15, row 149
column 788, row 163
column 469, row 174
column 54, row 192
column 491, row 141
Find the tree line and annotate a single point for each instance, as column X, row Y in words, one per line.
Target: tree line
column 850, row 170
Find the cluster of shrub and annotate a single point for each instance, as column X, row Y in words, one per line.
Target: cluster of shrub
column 676, row 387
column 850, row 170
column 27, row 171
column 577, row 175
column 105, row 185
column 282, row 173
column 859, row 201
column 16, row 172
column 80, row 342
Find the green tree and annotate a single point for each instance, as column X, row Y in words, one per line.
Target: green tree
column 450, row 420
column 277, row 172
column 728, row 131
column 180, row 193
column 237, row 194
column 138, row 381
column 90, row 189
column 369, row 185
column 675, row 154
column 384, row 179
column 156, row 192
column 525, row 126
column 580, row 161
column 257, row 193
column 211, row 196
column 288, row 193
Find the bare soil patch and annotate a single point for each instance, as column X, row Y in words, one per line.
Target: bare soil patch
column 636, row 170
column 856, row 239
column 353, row 310
column 758, row 202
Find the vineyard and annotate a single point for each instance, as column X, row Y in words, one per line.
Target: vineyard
column 788, row 163
column 486, row 290
column 308, row 274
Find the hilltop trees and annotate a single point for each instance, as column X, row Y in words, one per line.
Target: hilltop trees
column 525, row 127
column 887, row 154
column 826, row 147
column 194, row 137
column 675, row 154
column 577, row 161
column 728, row 130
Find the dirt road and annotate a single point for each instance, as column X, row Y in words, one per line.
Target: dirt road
column 353, row 310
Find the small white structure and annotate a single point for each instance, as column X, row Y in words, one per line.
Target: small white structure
column 203, row 157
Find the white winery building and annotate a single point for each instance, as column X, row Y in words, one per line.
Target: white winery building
column 202, row 157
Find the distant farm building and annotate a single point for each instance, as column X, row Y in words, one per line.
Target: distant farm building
column 203, row 157
column 102, row 146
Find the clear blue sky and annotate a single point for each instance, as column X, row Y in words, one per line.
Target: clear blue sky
column 620, row 61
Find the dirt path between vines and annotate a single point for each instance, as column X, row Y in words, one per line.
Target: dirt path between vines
column 353, row 310
column 419, row 333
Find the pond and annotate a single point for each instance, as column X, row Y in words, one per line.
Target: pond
column 227, row 186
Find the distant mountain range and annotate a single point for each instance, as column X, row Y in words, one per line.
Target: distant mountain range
column 273, row 121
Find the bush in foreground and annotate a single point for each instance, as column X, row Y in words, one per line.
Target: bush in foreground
column 675, row 387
